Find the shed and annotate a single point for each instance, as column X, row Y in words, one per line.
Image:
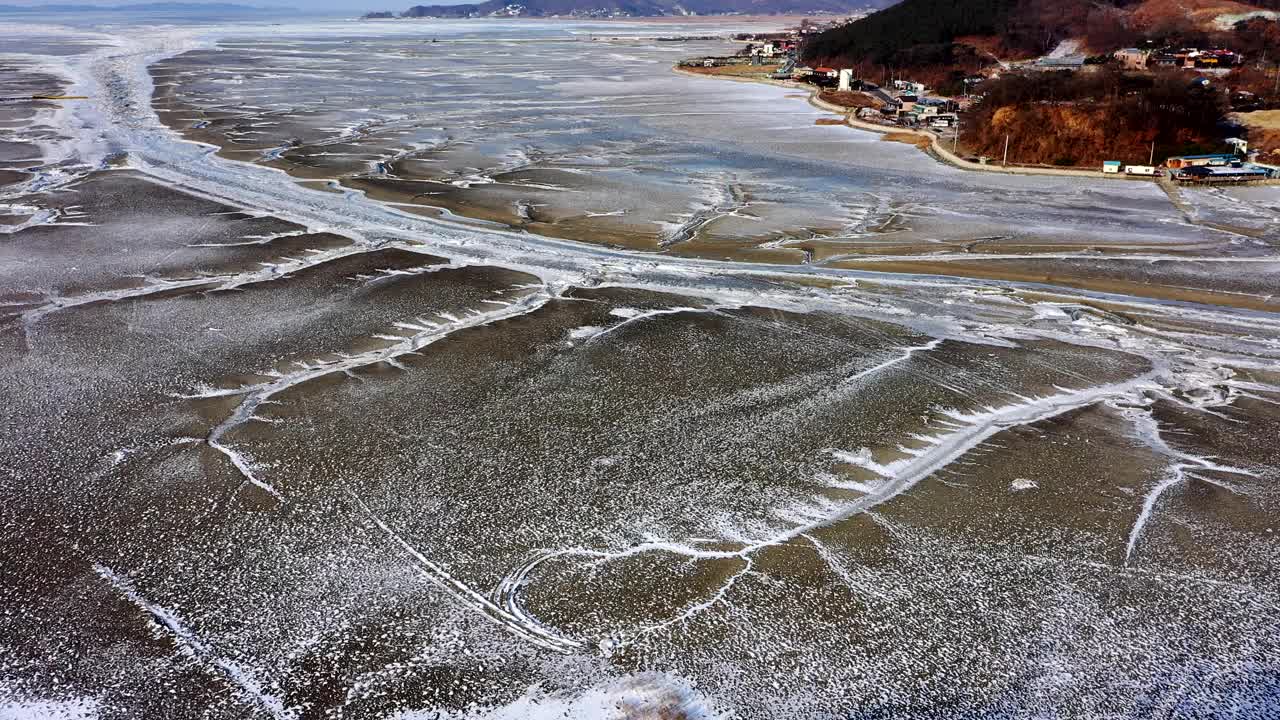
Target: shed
column 1186, row 161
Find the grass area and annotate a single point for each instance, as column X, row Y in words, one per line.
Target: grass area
column 848, row 99
column 1264, row 132
column 1262, row 119
column 744, row 70
column 919, row 141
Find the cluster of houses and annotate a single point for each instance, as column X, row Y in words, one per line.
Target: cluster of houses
column 910, row 106
column 1186, row 58
column 904, row 102
column 785, row 44
column 773, row 48
column 786, row 41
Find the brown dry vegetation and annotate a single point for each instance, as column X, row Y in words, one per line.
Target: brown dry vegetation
column 1264, row 132
column 848, row 99
column 919, row 141
column 743, row 70
column 928, row 37
column 1263, row 119
column 1162, row 15
column 1082, row 119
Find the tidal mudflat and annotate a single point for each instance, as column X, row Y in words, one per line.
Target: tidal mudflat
column 490, row 370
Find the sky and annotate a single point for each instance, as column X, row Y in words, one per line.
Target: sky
column 352, row 6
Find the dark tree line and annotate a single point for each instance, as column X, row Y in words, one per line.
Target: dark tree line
column 885, row 36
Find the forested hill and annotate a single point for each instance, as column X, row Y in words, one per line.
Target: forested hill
column 918, row 33
column 884, row 36
column 641, row 8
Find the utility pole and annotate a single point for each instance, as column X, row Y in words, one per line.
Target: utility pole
column 1152, row 161
column 1006, row 150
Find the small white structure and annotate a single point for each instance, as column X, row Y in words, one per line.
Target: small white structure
column 1132, row 58
column 1145, row 170
column 846, row 80
column 1111, row 167
column 766, row 50
column 906, row 87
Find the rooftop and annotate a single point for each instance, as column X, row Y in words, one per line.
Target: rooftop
column 1223, row 170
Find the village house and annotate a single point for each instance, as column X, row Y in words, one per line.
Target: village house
column 1132, row 58
column 767, row 50
column 1189, row 161
column 823, row 77
column 868, row 113
column 929, row 110
column 907, row 87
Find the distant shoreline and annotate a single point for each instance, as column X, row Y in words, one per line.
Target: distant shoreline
column 935, row 147
column 648, row 19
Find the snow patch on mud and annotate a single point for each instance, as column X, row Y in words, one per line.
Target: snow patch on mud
column 638, row 697
column 584, row 332
column 1227, row 21
column 83, row 709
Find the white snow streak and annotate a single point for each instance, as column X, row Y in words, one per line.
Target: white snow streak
column 519, row 624
column 168, row 623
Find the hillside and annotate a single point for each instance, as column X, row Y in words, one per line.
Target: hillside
column 1085, row 118
column 640, row 8
column 1264, row 132
column 1204, row 15
column 918, row 33
column 920, row 26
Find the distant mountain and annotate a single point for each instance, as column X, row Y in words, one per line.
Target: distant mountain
column 641, row 8
column 159, row 7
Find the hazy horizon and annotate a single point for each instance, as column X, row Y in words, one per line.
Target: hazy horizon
column 352, row 6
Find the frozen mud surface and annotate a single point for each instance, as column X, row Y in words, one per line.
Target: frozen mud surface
column 632, row 408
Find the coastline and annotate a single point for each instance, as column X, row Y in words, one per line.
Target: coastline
column 464, row 205
column 936, row 148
